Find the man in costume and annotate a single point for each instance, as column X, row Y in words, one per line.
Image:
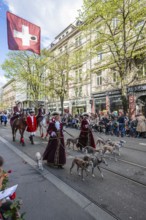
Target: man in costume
column 86, row 137
column 55, row 150
column 40, row 112
column 31, row 125
column 17, row 110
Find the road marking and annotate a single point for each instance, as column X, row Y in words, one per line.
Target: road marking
column 96, row 212
column 143, row 144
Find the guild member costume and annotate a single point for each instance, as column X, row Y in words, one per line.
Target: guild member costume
column 86, row 137
column 31, row 125
column 16, row 112
column 40, row 113
column 55, row 150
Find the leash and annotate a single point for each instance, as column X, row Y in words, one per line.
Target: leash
column 69, row 133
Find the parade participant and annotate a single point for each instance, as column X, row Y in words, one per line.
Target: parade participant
column 17, row 108
column 16, row 112
column 40, row 112
column 86, row 137
column 31, row 125
column 55, row 150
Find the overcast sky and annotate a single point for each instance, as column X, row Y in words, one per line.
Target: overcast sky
column 51, row 15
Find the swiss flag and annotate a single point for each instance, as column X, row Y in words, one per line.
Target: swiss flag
column 22, row 35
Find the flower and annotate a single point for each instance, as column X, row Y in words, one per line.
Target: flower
column 9, row 171
column 13, row 196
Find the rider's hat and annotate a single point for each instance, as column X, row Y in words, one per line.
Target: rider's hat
column 31, row 111
column 85, row 114
column 55, row 113
column 41, row 104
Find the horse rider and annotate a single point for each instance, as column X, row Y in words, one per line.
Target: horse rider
column 31, row 125
column 17, row 110
column 40, row 112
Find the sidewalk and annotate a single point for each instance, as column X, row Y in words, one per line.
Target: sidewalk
column 44, row 196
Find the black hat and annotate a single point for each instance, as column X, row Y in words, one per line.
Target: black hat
column 55, row 113
column 18, row 102
column 31, row 111
column 85, row 114
column 41, row 104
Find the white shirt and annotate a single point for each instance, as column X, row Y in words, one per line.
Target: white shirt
column 57, row 125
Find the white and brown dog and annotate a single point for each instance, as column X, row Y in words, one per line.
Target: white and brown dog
column 81, row 164
column 39, row 160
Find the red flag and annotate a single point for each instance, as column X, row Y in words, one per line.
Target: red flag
column 22, row 35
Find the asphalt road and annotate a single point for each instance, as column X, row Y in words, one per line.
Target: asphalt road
column 122, row 192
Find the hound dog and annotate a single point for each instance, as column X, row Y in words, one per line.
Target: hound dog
column 71, row 140
column 102, row 141
column 95, row 162
column 80, row 163
column 91, row 150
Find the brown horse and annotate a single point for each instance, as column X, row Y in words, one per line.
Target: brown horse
column 19, row 124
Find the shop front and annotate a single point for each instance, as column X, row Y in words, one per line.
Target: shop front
column 137, row 99
column 107, row 102
column 78, row 107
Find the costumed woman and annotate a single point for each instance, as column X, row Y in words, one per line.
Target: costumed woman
column 55, row 150
column 86, row 137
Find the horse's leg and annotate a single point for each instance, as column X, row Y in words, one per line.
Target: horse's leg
column 13, row 133
column 21, row 137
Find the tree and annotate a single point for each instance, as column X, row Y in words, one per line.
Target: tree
column 29, row 69
column 120, row 33
column 58, row 78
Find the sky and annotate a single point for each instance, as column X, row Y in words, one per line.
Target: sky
column 53, row 16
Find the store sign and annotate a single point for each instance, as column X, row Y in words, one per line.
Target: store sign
column 137, row 88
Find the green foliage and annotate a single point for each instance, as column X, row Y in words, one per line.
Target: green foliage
column 13, row 213
column 118, row 29
column 27, row 68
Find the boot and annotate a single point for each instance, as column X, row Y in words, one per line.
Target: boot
column 32, row 140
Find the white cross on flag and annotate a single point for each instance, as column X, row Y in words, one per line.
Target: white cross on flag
column 22, row 35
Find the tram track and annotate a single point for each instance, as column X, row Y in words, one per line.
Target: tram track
column 124, row 176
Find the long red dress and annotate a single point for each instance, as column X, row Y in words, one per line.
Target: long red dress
column 55, row 150
column 86, row 137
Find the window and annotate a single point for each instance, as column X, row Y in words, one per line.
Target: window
column 142, row 70
column 115, row 77
column 65, row 47
column 99, row 56
column 78, row 41
column 78, row 91
column 78, row 75
column 99, row 79
column 115, row 22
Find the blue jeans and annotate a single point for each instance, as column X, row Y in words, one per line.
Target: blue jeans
column 122, row 129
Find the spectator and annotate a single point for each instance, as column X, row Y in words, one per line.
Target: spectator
column 141, row 125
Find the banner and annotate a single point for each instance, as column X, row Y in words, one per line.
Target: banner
column 22, row 35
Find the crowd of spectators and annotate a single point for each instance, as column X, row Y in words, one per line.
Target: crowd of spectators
column 111, row 124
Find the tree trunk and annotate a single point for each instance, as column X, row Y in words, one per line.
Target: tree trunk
column 124, row 98
column 62, row 102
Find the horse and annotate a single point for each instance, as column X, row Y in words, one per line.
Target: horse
column 42, row 123
column 20, row 124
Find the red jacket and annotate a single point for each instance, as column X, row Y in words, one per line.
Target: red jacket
column 31, row 125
